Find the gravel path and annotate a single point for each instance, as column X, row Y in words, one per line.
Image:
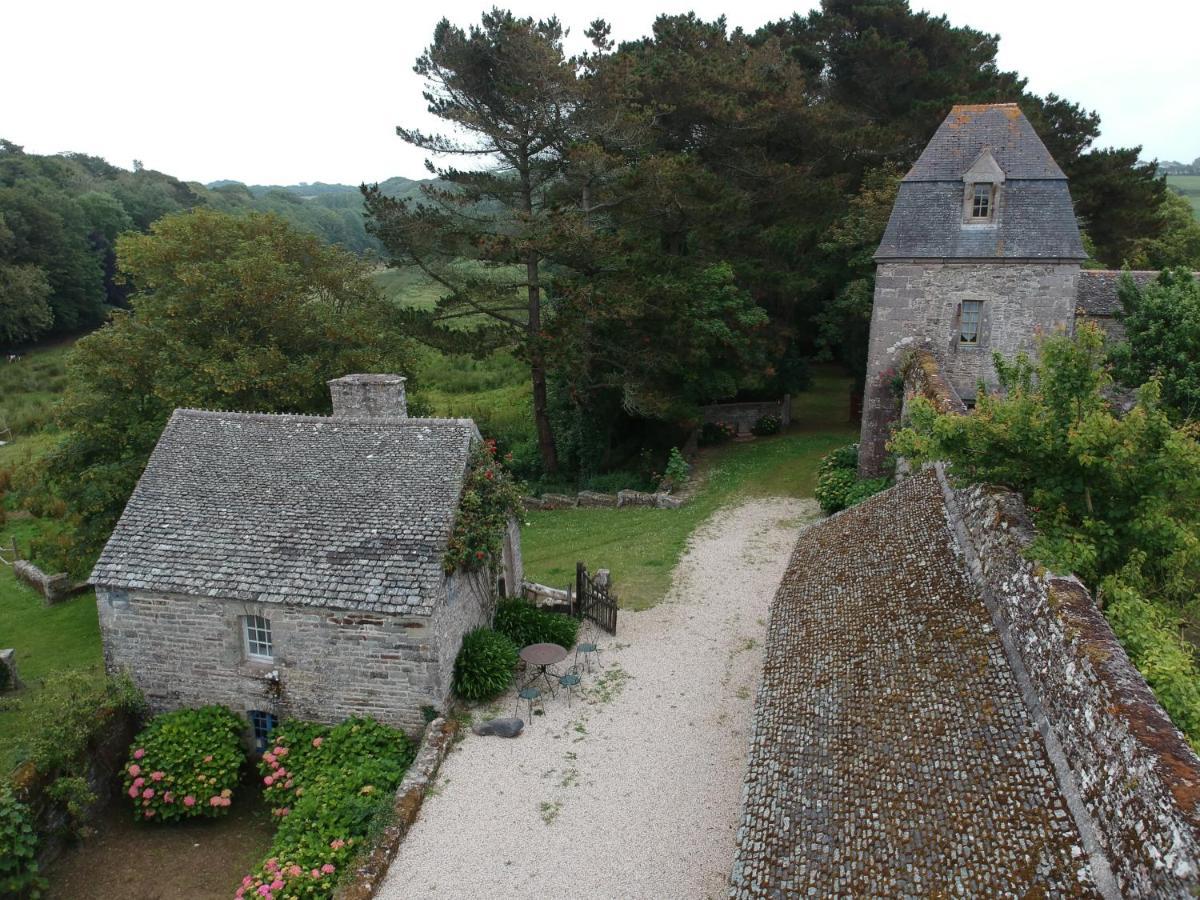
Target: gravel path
column 635, row 791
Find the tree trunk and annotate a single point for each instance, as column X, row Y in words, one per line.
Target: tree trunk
column 537, row 365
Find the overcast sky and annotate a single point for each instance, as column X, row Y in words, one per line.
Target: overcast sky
column 282, row 92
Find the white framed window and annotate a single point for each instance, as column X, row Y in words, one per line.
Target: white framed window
column 263, row 724
column 982, row 202
column 257, row 631
column 969, row 317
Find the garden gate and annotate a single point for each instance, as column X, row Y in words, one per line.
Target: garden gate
column 594, row 599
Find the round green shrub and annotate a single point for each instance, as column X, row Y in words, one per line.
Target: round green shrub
column 185, row 764
column 525, row 624
column 766, row 425
column 833, row 486
column 485, row 665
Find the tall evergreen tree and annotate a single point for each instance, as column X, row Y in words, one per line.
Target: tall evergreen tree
column 508, row 84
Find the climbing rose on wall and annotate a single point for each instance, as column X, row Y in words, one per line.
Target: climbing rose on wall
column 490, row 497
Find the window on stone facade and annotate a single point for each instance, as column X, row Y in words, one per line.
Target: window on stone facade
column 972, row 310
column 263, row 724
column 981, row 202
column 258, row 638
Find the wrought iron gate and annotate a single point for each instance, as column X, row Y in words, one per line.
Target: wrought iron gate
column 594, row 600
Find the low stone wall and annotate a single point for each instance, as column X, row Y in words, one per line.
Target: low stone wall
column 596, row 500
column 1137, row 778
column 53, row 588
column 105, row 756
column 744, row 415
column 436, row 742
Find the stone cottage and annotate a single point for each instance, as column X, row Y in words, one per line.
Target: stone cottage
column 292, row 564
column 981, row 253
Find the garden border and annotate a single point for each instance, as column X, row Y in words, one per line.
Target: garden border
column 410, row 795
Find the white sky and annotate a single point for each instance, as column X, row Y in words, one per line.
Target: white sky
column 263, row 91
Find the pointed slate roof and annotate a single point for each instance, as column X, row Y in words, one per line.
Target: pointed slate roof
column 1034, row 218
column 316, row 510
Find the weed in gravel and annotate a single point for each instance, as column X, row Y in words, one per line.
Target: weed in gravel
column 609, row 685
column 550, row 810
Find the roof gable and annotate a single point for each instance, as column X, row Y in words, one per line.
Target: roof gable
column 350, row 513
column 984, row 169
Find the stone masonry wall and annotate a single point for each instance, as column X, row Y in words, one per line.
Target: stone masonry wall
column 1136, row 775
column 744, row 415
column 188, row 651
column 917, row 306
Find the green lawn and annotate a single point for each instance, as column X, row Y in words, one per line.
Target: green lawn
column 1189, row 186
column 46, row 639
column 641, row 546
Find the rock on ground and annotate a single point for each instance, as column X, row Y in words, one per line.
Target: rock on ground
column 635, row 790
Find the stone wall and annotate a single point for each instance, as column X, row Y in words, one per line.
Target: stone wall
column 1136, row 776
column 744, row 415
column 917, row 305
column 1112, row 328
column 188, row 651
column 53, row 588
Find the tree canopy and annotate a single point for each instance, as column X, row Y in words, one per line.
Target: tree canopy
column 227, row 312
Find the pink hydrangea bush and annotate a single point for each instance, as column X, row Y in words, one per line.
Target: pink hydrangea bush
column 184, row 764
column 326, row 786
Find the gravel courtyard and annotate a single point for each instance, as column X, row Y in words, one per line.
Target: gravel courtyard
column 635, row 790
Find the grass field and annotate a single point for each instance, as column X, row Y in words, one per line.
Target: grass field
column 1189, row 186
column 46, row 640
column 641, row 546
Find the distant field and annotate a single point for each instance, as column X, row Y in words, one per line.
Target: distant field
column 1189, row 186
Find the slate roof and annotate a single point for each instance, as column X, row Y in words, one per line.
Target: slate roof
column 893, row 755
column 325, row 511
column 1096, row 294
column 1035, row 218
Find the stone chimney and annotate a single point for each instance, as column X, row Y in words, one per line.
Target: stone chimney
column 369, row 397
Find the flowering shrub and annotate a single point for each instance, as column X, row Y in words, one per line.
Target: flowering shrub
column 490, row 497
column 766, row 425
column 185, row 764
column 327, row 786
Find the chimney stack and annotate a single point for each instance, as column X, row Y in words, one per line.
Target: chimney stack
column 369, row 397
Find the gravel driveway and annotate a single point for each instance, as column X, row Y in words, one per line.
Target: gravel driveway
column 635, row 791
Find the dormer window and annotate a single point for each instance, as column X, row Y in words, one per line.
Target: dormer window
column 981, row 202
column 982, row 184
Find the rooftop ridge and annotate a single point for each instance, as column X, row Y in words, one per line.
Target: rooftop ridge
column 199, row 412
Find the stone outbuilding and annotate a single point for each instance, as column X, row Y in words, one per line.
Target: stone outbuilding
column 293, row 564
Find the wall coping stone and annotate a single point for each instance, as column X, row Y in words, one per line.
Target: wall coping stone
column 1134, row 779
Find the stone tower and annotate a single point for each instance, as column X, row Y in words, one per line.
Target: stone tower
column 982, row 251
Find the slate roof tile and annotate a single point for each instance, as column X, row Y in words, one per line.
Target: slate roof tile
column 317, row 510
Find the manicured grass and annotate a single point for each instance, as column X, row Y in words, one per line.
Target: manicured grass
column 641, row 546
column 46, row 640
column 1189, row 186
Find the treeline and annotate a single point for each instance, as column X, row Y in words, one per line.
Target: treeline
column 1168, row 167
column 60, row 217
column 694, row 213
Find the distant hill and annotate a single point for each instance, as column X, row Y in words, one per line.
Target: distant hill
column 398, row 186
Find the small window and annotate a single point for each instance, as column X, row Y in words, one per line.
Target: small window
column 263, row 724
column 972, row 310
column 258, row 638
column 981, row 202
